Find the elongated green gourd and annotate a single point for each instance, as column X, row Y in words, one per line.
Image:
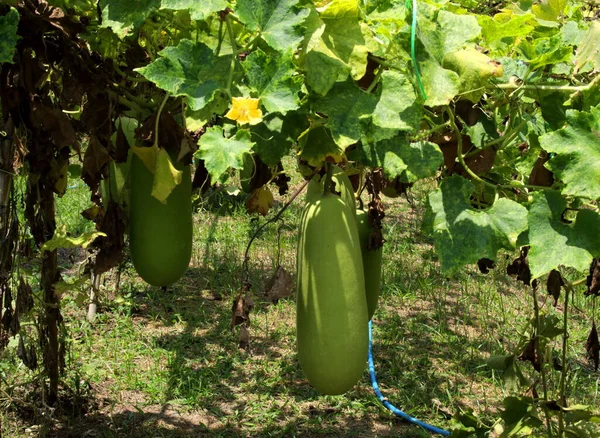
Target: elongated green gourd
column 332, row 320
column 160, row 234
column 371, row 262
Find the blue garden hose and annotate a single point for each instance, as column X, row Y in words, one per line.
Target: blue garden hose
column 386, row 403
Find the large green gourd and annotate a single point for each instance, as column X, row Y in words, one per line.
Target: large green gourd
column 331, row 305
column 160, row 234
column 371, row 262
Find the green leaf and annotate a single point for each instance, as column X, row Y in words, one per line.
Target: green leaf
column 61, row 240
column 347, row 108
column 588, row 51
column 166, row 176
column 199, row 10
column 577, row 160
column 545, row 51
column 190, row 69
column 273, row 77
column 8, row 35
column 398, row 157
column 317, row 145
column 195, row 120
column 457, row 30
column 124, row 17
column 278, row 21
column 272, row 141
column 554, row 243
column 504, row 26
column 549, row 9
column 446, row 33
column 441, row 85
column 462, row 234
column 220, row 153
column 398, row 107
column 334, row 48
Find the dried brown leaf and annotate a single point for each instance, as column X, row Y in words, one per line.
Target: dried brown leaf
column 244, row 339
column 553, row 285
column 593, row 279
column 540, row 176
column 592, row 346
column 530, row 355
column 280, row 285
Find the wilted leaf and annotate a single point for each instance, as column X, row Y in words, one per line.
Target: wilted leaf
column 24, row 298
column 520, row 268
column 166, row 177
column 540, row 176
column 593, row 279
column 281, row 285
column 244, row 340
column 148, row 155
column 592, row 346
column 61, row 240
column 95, row 160
column 260, row 201
column 553, row 284
column 485, row 265
column 240, row 311
column 529, row 354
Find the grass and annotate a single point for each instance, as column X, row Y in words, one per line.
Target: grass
column 166, row 364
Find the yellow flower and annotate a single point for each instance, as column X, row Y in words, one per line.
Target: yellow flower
column 245, row 110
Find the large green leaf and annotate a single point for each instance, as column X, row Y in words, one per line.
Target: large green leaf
column 273, row 140
column 577, row 149
column 125, row 16
column 273, row 78
column 504, row 26
column 398, row 157
column 462, row 234
column 447, row 32
column 588, row 52
column 335, row 47
column 398, row 107
column 441, row 85
column 190, row 69
column 554, row 243
column 8, row 35
column 278, row 21
column 348, row 109
column 199, row 10
column 220, row 153
column 549, row 10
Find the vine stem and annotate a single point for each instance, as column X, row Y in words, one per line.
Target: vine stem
column 263, row 226
column 547, row 87
column 234, row 50
column 563, row 373
column 536, row 310
column 461, row 157
column 158, row 113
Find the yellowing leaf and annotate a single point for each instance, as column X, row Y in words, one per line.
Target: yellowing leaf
column 245, row 110
column 61, row 183
column 166, row 177
column 260, row 201
column 61, row 240
column 147, row 155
